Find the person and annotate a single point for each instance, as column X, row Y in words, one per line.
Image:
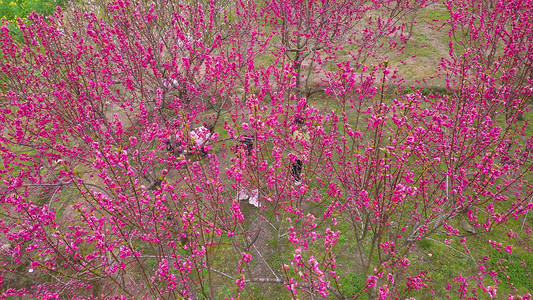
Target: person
column 201, row 135
column 254, row 198
column 174, row 148
column 247, row 142
column 296, row 171
column 300, row 140
column 168, row 146
column 246, row 147
column 198, row 138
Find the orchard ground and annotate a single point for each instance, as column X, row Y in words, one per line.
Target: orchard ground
column 416, row 181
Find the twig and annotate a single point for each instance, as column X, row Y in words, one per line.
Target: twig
column 453, row 249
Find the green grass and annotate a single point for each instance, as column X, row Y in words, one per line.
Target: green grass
column 264, row 60
column 515, row 269
column 435, row 12
column 352, row 284
column 445, row 263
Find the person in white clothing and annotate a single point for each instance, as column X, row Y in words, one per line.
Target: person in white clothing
column 201, row 136
column 198, row 139
column 245, row 149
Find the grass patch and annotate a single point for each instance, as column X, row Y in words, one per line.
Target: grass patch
column 435, row 12
column 514, row 269
column 352, row 284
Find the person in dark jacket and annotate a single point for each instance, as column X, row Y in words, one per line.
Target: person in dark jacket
column 301, row 143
